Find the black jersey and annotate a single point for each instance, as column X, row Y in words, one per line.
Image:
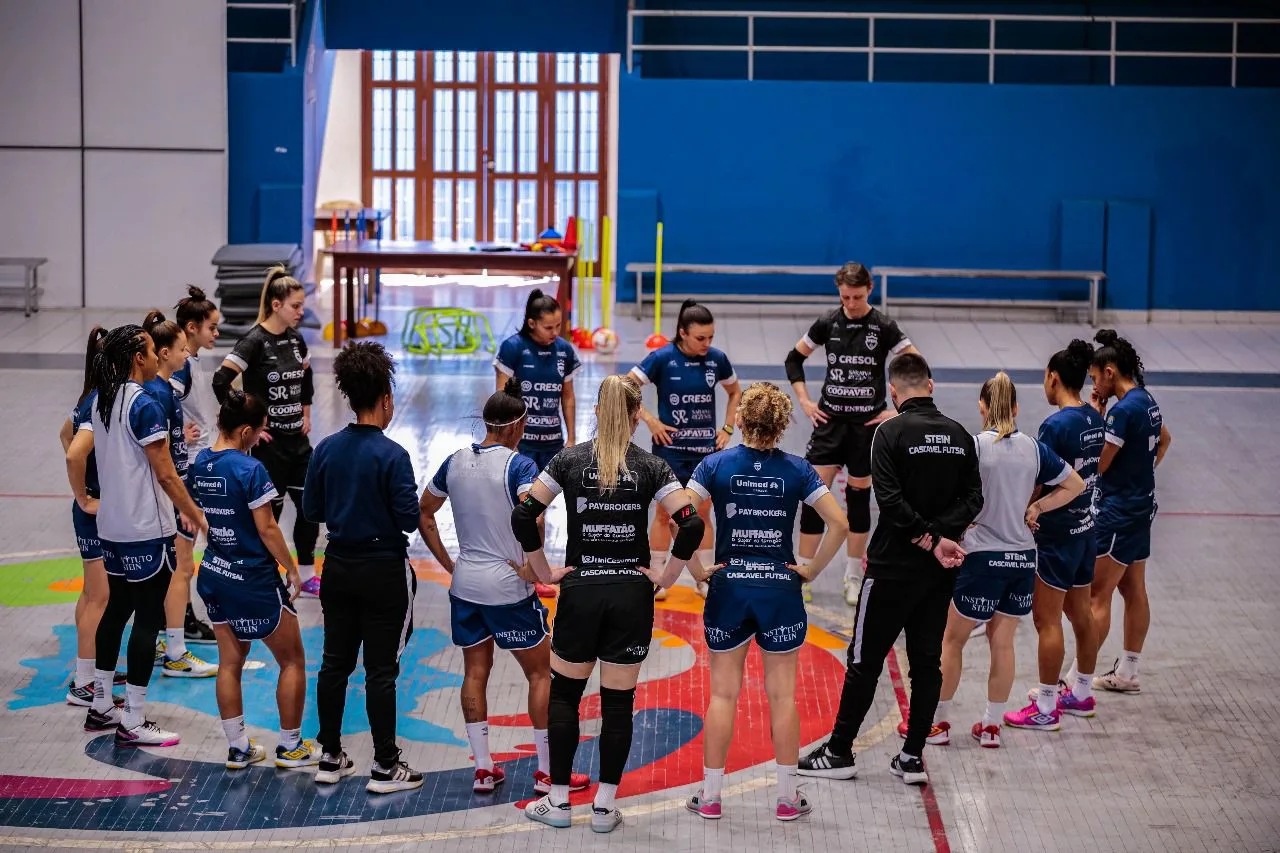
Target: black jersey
column 273, row 367
column 858, row 351
column 608, row 531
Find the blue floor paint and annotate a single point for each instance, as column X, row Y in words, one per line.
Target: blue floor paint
column 209, row 798
column 49, row 685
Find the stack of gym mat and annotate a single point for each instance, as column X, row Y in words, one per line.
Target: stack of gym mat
column 242, row 269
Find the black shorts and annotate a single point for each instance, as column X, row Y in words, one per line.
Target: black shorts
column 286, row 458
column 609, row 622
column 846, row 443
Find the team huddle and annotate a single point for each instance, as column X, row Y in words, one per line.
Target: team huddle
column 973, row 531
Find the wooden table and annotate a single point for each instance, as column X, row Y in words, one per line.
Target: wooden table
column 350, row 256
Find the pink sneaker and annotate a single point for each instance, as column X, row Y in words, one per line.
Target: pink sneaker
column 1030, row 717
column 704, row 807
column 311, row 587
column 988, row 737
column 792, row 809
column 1069, row 704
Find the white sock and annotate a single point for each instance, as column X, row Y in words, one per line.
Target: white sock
column 559, row 795
column 943, row 714
column 787, row 781
column 994, row 715
column 102, row 682
column 1128, row 667
column 712, row 783
column 1083, row 687
column 306, row 573
column 902, row 756
column 135, row 706
column 604, row 796
column 852, row 567
column 233, row 728
column 1047, row 698
column 84, row 671
column 478, row 737
column 175, row 643
column 290, row 738
column 543, row 745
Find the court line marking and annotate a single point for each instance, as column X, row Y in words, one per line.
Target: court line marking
column 936, row 827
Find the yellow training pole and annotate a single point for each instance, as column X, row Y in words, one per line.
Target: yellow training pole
column 605, row 295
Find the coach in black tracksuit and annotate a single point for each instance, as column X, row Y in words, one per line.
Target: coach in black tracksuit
column 924, row 471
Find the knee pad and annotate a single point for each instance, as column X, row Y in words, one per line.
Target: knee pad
column 567, row 691
column 810, row 521
column 617, row 704
column 858, row 507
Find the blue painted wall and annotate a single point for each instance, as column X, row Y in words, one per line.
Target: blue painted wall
column 546, row 25
column 959, row 175
column 276, row 121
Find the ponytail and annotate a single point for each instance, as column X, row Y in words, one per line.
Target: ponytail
column 616, row 408
column 278, row 286
column 164, row 333
column 1118, row 353
column 538, row 306
column 241, row 410
column 113, row 364
column 691, row 313
column 504, row 408
column 1000, row 397
column 92, row 348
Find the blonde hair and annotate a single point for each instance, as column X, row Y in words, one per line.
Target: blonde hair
column 616, row 408
column 999, row 396
column 278, row 285
column 765, row 411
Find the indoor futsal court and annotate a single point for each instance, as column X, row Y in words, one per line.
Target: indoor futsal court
column 996, row 181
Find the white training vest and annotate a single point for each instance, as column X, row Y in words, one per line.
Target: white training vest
column 1009, row 469
column 481, row 502
column 133, row 506
column 200, row 405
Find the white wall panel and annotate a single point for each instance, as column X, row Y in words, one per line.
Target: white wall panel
column 340, row 177
column 40, row 217
column 155, row 73
column 39, row 72
column 152, row 223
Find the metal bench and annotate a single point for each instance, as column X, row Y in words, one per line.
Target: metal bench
column 883, row 274
column 30, row 285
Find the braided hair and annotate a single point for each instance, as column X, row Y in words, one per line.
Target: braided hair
column 113, row 364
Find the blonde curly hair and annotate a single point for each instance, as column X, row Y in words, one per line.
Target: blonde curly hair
column 764, row 412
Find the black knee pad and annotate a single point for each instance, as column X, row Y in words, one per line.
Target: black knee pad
column 810, row 521
column 858, row 507
column 618, row 704
column 567, row 691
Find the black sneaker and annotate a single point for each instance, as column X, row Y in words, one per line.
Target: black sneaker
column 332, row 768
column 910, row 770
column 195, row 631
column 95, row 722
column 398, row 778
column 825, row 764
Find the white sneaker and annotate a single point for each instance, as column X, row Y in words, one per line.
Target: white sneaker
column 605, row 820
column 306, row 753
column 147, row 734
column 188, row 666
column 852, row 590
column 541, row 810
column 332, row 768
column 398, row 778
column 1115, row 682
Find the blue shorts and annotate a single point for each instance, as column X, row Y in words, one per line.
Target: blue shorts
column 542, row 456
column 250, row 607
column 993, row 582
column 182, row 531
column 1066, row 563
column 1125, row 545
column 86, row 527
column 139, row 561
column 736, row 612
column 682, row 464
column 513, row 627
